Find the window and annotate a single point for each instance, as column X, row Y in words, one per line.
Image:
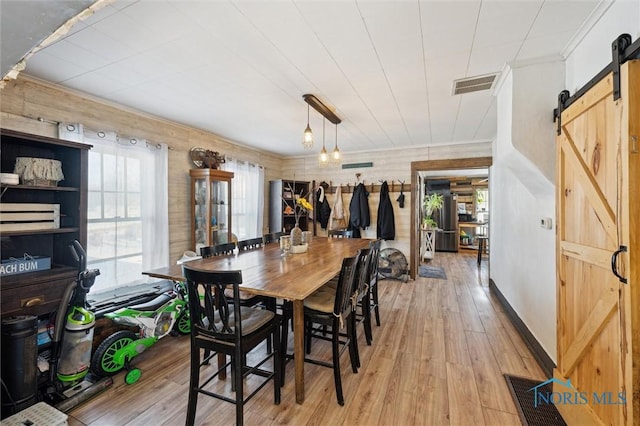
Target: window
column 247, row 198
column 127, row 209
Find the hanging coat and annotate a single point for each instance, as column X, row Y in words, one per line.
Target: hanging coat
column 323, row 210
column 400, row 199
column 386, row 221
column 338, row 216
column 359, row 208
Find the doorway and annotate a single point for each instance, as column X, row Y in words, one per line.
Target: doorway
column 420, row 172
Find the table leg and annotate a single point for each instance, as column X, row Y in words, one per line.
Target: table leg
column 298, row 348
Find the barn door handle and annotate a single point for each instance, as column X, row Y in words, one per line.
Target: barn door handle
column 614, row 263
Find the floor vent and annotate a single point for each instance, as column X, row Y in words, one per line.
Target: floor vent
column 532, row 414
column 473, row 84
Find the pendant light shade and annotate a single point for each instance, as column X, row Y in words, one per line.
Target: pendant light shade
column 307, row 139
column 335, row 157
column 324, row 157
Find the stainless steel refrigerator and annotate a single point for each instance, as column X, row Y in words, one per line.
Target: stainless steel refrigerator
column 448, row 234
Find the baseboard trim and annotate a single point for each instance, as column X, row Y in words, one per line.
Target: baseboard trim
column 542, row 358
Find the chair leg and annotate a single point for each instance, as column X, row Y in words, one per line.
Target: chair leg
column 336, row 362
column 366, row 314
column 236, row 374
column 194, row 384
column 271, row 306
column 278, row 370
column 353, row 344
column 353, row 335
column 284, row 344
column 307, row 335
column 374, row 293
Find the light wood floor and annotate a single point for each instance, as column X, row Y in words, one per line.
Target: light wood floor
column 437, row 359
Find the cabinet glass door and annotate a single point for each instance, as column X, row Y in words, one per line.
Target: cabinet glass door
column 211, row 209
column 219, row 212
column 200, row 212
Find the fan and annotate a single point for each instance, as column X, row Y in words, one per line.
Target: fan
column 393, row 264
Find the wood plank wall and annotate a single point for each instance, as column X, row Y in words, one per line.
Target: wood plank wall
column 26, row 99
column 390, row 165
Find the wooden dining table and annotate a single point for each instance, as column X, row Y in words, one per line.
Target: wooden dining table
column 265, row 271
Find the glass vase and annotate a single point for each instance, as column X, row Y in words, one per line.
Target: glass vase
column 296, row 235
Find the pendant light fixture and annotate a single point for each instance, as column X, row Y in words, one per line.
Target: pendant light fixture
column 327, row 114
column 324, row 157
column 307, row 139
column 335, row 157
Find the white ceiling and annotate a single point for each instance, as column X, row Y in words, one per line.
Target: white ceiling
column 239, row 68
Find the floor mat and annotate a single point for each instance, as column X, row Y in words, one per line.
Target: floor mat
column 432, row 272
column 531, row 414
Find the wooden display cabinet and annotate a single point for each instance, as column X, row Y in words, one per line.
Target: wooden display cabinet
column 39, row 292
column 210, row 207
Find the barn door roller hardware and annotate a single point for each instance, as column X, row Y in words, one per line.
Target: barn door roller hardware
column 622, row 50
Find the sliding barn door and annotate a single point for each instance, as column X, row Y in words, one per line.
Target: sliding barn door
column 598, row 211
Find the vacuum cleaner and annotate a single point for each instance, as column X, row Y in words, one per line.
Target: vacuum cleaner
column 70, row 357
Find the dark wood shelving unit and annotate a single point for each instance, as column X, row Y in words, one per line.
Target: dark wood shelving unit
column 38, row 293
column 279, row 197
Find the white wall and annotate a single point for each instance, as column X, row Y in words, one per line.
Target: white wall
column 522, row 192
column 593, row 52
column 523, row 253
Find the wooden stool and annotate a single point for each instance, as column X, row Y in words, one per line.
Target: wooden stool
column 482, row 245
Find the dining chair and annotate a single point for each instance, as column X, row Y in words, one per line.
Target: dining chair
column 250, row 244
column 333, row 308
column 362, row 310
column 218, row 250
column 361, row 296
column 220, row 326
column 340, row 233
column 373, row 285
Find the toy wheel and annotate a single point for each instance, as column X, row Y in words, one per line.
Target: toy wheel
column 183, row 325
column 133, row 376
column 103, row 362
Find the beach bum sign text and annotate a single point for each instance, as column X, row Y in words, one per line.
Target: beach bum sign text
column 573, row 397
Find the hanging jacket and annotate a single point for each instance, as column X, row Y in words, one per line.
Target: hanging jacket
column 359, row 208
column 323, row 210
column 338, row 216
column 386, row 221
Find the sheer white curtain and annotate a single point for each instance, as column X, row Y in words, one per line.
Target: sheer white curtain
column 128, row 226
column 247, row 198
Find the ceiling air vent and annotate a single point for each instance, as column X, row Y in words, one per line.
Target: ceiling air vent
column 473, row 84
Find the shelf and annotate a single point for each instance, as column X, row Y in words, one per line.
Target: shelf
column 44, row 288
column 40, row 188
column 16, row 280
column 39, row 232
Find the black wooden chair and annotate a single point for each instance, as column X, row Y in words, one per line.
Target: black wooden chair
column 333, row 308
column 340, row 233
column 218, row 250
column 221, row 326
column 373, row 286
column 361, row 296
column 250, row 244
